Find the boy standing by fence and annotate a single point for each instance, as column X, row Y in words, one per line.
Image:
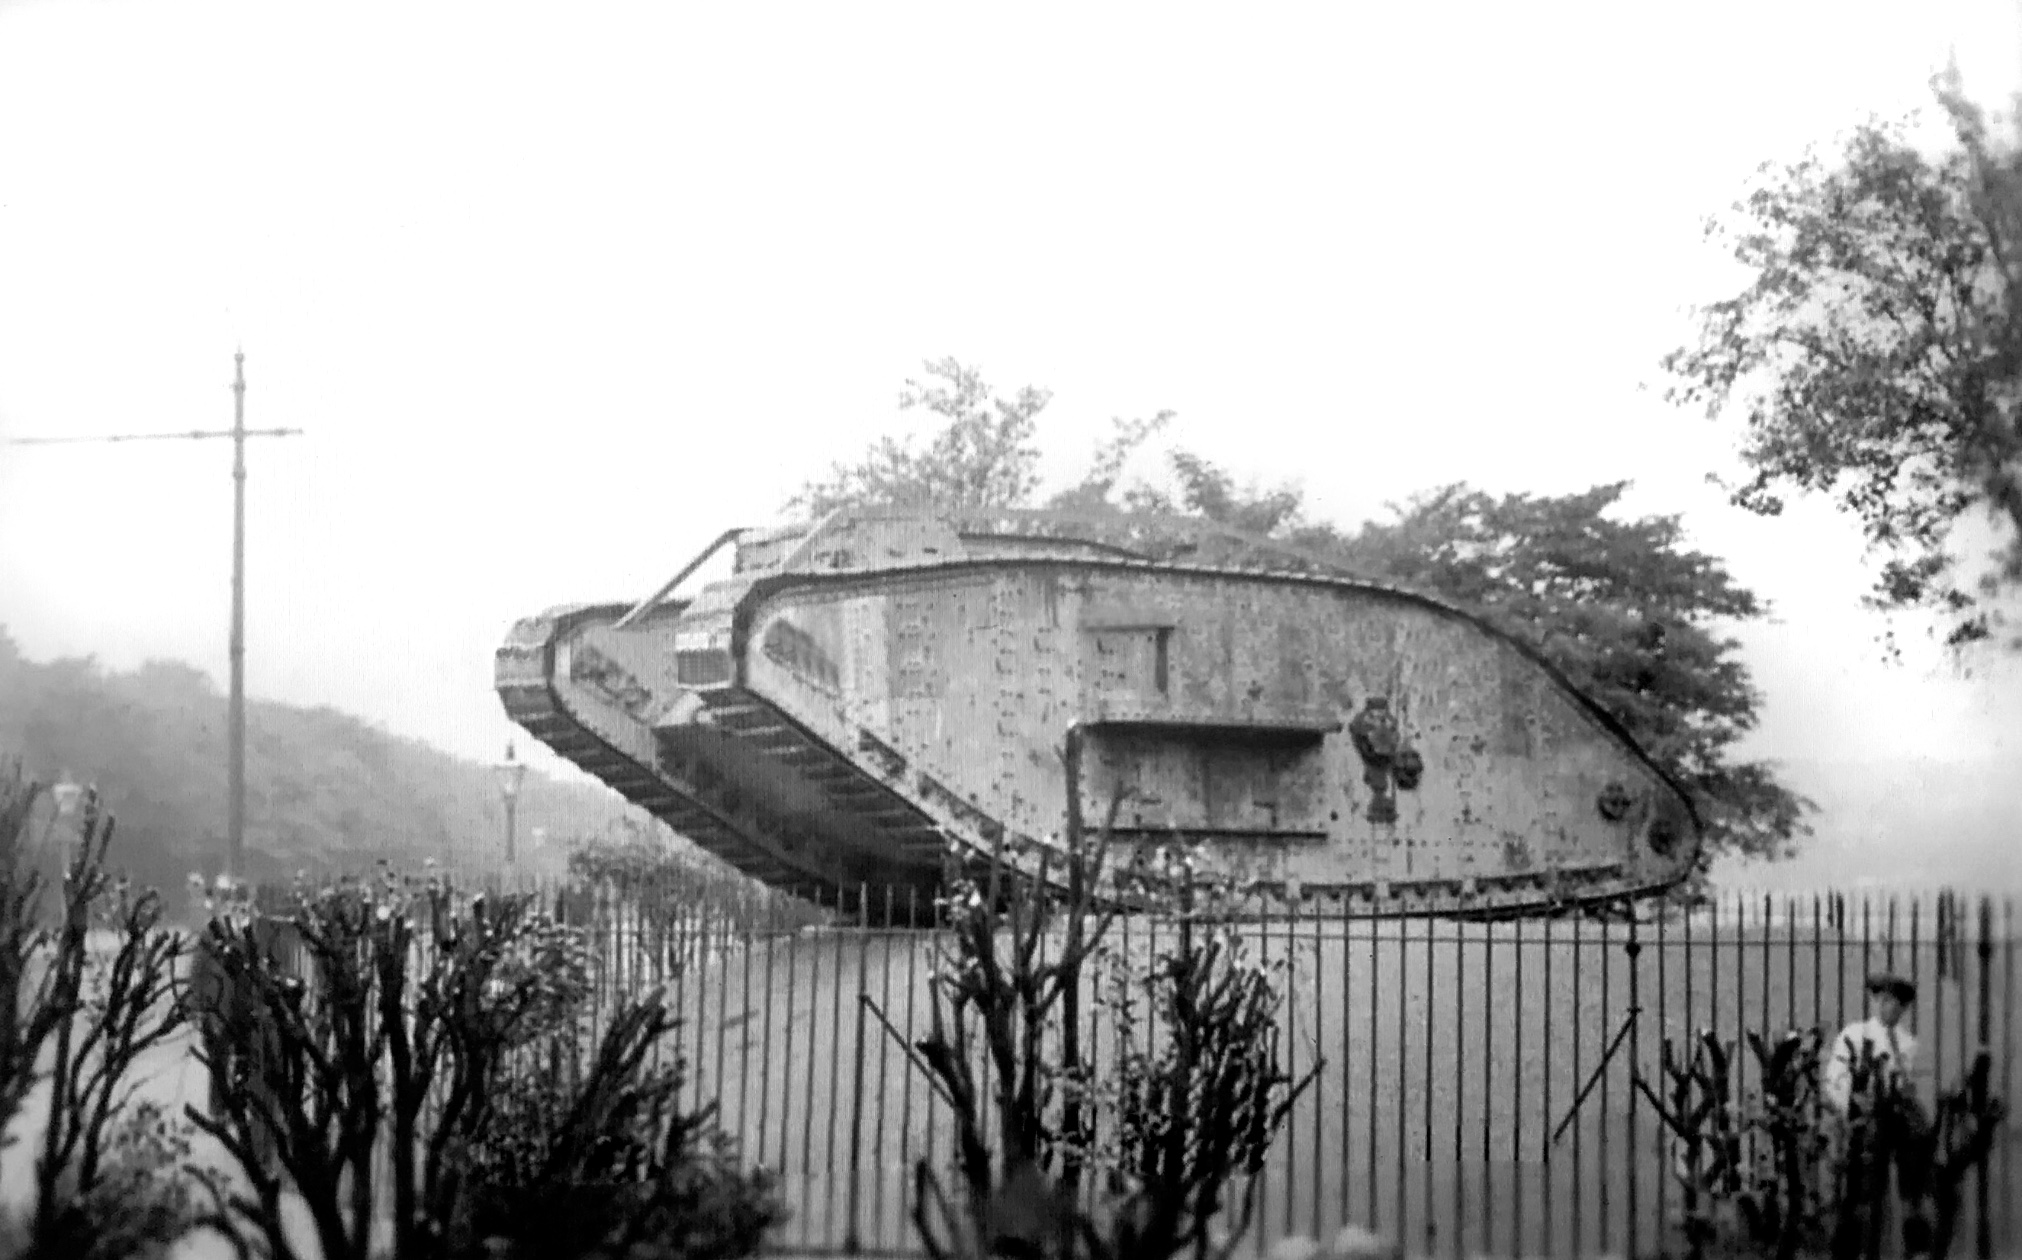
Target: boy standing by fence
column 1866, row 1081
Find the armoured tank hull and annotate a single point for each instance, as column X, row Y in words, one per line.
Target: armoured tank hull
column 864, row 697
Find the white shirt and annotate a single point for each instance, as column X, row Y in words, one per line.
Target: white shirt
column 1894, row 1051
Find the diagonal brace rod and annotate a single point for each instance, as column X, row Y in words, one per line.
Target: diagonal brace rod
column 1621, row 1034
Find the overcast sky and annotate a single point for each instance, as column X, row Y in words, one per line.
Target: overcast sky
column 560, row 291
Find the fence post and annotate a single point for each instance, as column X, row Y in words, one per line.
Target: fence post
column 1634, row 949
column 852, row 1242
column 1983, row 1230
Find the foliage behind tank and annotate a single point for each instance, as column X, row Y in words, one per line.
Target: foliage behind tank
column 864, row 691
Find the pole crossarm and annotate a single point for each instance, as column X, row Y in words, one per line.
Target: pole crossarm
column 150, row 437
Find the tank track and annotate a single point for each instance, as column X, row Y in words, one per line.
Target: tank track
column 720, row 819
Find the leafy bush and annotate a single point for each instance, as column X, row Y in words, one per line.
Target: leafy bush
column 138, row 1202
column 607, row 1165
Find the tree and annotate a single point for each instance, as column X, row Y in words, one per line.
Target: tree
column 1876, row 354
column 982, row 457
column 1622, row 607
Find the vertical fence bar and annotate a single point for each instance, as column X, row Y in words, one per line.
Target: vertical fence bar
column 1431, row 992
column 1347, row 1087
column 1983, row 953
column 1663, row 1041
column 1289, row 1064
column 786, row 1064
column 1916, row 978
column 1818, row 963
column 1121, row 980
column 1603, row 1166
column 1867, row 943
column 1692, row 1025
column 1632, row 1230
column 1488, row 1196
column 905, row 1065
column 1961, row 925
column 807, row 1097
column 674, row 949
column 835, row 1058
column 2008, row 1043
column 1714, row 960
column 1370, row 1099
column 1149, row 1029
column 1768, row 914
column 700, row 963
column 1839, row 961
column 1403, row 1009
column 1518, row 1182
column 852, row 1238
column 1969, row 1045
column 593, row 931
column 724, row 927
column 1579, row 1196
column 1319, row 1057
column 1545, row 1171
column 1789, row 963
column 888, row 937
column 765, row 1034
column 1740, row 987
column 1459, row 929
column 1941, row 942
column 749, row 937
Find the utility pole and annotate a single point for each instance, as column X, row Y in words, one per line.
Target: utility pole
column 235, row 721
column 235, row 718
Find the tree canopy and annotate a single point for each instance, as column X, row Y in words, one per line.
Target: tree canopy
column 1876, row 352
column 982, row 456
column 985, row 454
column 1623, row 607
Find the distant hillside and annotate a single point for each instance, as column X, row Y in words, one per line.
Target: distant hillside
column 326, row 791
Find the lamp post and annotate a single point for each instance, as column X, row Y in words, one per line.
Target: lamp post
column 510, row 772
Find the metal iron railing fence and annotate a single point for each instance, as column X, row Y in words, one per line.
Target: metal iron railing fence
column 1477, row 1086
column 1477, row 1090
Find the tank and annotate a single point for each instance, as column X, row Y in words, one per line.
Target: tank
column 867, row 695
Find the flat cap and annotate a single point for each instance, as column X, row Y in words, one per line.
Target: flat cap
column 1894, row 985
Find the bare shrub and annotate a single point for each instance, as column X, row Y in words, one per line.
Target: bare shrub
column 86, row 991
column 430, row 1058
